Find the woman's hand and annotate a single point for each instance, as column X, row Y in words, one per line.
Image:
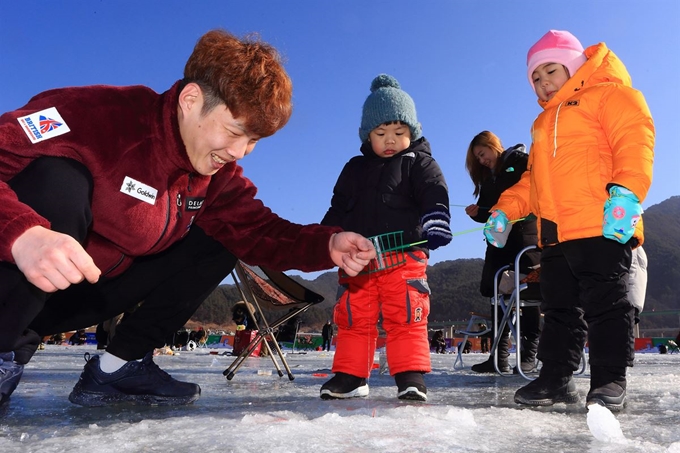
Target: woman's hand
column 472, row 210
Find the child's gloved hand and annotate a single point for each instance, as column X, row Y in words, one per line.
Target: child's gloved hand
column 436, row 228
column 622, row 211
column 497, row 229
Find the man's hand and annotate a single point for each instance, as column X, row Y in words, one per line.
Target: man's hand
column 351, row 252
column 52, row 261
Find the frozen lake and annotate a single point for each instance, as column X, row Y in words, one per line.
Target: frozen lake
column 255, row 412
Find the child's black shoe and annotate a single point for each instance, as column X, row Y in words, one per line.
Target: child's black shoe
column 607, row 387
column 344, row 385
column 612, row 396
column 411, row 386
column 547, row 390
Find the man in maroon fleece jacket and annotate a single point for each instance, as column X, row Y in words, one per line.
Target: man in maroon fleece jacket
column 115, row 195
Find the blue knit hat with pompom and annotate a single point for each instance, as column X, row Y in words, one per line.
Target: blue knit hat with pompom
column 386, row 103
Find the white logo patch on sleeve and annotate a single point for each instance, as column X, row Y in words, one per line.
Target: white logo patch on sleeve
column 43, row 125
column 139, row 190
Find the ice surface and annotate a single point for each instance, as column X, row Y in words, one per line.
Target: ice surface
column 604, row 425
column 255, row 412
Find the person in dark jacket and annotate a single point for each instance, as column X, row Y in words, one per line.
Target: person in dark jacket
column 493, row 169
column 327, row 335
column 395, row 185
column 78, row 338
column 242, row 315
column 438, row 342
column 116, row 195
column 485, row 339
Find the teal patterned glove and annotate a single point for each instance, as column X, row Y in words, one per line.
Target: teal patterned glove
column 497, row 229
column 622, row 211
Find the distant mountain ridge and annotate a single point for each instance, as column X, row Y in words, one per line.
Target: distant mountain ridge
column 455, row 283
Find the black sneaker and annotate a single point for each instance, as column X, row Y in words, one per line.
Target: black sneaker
column 344, row 385
column 612, row 396
column 548, row 390
column 488, row 367
column 411, row 386
column 142, row 383
column 10, row 375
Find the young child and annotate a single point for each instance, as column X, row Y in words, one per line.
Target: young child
column 590, row 167
column 394, row 185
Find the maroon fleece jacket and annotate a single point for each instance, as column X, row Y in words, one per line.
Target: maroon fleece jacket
column 146, row 194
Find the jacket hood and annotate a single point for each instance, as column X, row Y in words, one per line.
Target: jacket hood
column 421, row 145
column 513, row 152
column 602, row 66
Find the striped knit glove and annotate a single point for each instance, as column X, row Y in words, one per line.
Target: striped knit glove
column 436, row 228
column 622, row 211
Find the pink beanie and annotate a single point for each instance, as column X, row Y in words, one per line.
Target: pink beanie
column 556, row 46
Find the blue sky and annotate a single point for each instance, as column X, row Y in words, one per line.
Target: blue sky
column 463, row 62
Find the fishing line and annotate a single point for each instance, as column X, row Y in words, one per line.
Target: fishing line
column 485, row 227
column 465, row 206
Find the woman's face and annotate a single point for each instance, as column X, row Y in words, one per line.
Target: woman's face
column 485, row 156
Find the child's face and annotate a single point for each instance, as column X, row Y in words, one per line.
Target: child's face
column 485, row 156
column 390, row 139
column 548, row 79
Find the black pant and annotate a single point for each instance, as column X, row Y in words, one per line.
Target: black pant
column 326, row 344
column 530, row 332
column 503, row 346
column 584, row 285
column 485, row 343
column 171, row 284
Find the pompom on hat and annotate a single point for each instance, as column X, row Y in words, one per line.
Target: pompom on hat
column 556, row 46
column 386, row 103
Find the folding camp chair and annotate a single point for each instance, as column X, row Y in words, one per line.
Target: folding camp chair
column 523, row 295
column 469, row 331
column 274, row 292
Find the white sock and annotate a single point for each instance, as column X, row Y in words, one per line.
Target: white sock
column 109, row 363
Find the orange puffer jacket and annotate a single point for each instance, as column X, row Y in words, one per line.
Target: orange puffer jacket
column 596, row 131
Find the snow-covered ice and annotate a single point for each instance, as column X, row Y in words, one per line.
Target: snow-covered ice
column 604, row 425
column 258, row 412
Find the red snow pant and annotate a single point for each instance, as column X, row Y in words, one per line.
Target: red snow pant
column 403, row 297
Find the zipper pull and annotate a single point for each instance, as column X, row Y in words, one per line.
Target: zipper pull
column 179, row 206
